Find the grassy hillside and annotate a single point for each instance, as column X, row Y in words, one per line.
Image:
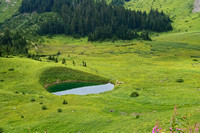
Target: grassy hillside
column 145, row 67
column 179, row 11
column 8, row 8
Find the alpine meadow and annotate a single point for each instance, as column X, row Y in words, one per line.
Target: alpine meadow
column 99, row 66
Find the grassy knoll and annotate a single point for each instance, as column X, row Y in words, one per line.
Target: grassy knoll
column 60, row 74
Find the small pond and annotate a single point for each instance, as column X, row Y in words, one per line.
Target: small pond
column 79, row 88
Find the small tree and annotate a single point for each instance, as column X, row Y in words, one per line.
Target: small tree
column 74, row 63
column 44, row 107
column 134, row 94
column 63, row 61
column 58, row 53
column 1, row 130
column 56, row 60
column 145, row 36
column 29, row 55
column 65, row 102
column 59, row 110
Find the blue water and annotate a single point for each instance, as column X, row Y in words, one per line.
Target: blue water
column 95, row 89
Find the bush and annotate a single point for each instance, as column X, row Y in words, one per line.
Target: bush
column 1, row 130
column 59, row 110
column 41, row 102
column 32, row 99
column 179, row 80
column 134, row 94
column 65, row 102
column 137, row 116
column 44, row 107
column 11, row 69
column 195, row 60
column 22, row 116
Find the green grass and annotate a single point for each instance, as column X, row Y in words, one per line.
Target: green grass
column 152, row 74
column 179, row 11
column 149, row 68
column 8, row 8
column 59, row 74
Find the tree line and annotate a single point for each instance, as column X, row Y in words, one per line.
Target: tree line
column 96, row 19
column 12, row 43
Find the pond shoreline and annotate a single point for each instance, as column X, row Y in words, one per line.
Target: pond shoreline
column 69, row 81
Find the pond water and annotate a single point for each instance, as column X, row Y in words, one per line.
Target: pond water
column 79, row 88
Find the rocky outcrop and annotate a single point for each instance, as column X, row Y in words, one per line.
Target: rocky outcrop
column 196, row 6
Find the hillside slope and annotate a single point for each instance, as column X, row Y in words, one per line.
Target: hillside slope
column 8, row 8
column 180, row 11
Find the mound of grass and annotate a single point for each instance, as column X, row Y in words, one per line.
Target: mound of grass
column 57, row 74
column 1, row 130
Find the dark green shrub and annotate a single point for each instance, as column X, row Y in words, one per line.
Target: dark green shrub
column 1, row 130
column 41, row 102
column 44, row 107
column 134, row 94
column 195, row 60
column 22, row 116
column 65, row 102
column 179, row 80
column 11, row 69
column 59, row 110
column 40, row 96
column 32, row 99
column 137, row 116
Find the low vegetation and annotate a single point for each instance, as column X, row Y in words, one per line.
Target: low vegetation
column 134, row 94
column 44, row 107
